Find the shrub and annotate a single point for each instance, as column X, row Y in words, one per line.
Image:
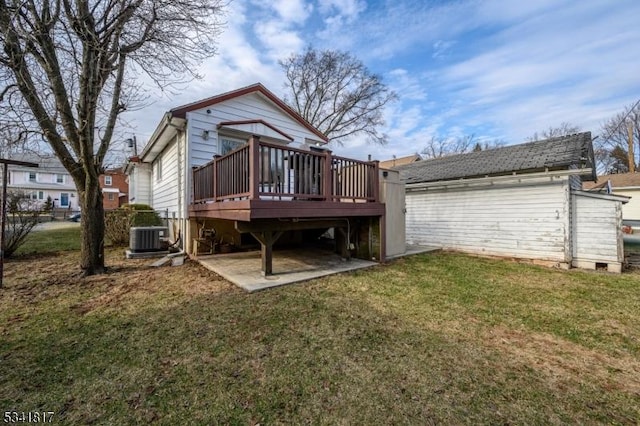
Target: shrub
column 48, row 205
column 22, row 218
column 118, row 222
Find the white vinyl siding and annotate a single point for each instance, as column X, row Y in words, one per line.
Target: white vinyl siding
column 631, row 210
column 165, row 195
column 517, row 220
column 248, row 107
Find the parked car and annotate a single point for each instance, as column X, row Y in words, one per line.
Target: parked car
column 74, row 217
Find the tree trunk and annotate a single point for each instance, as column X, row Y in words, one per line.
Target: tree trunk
column 92, row 248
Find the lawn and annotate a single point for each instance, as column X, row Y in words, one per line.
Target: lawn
column 434, row 338
column 51, row 241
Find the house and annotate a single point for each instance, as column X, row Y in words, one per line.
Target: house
column 242, row 167
column 626, row 184
column 49, row 180
column 397, row 162
column 115, row 188
column 522, row 201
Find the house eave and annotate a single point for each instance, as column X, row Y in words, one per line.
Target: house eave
column 181, row 111
column 164, row 133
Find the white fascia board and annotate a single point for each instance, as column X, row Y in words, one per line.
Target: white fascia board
column 164, row 133
column 612, row 197
column 490, row 180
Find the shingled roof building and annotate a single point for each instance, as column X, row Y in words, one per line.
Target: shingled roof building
column 522, row 201
column 568, row 152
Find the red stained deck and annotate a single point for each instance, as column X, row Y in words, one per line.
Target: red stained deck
column 263, row 180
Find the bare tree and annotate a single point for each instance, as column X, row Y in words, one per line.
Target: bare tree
column 612, row 149
column 72, row 67
column 439, row 146
column 555, row 132
column 336, row 93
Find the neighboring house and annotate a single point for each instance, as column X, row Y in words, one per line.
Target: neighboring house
column 50, row 179
column 115, row 190
column 522, row 201
column 626, row 184
column 397, row 162
column 244, row 164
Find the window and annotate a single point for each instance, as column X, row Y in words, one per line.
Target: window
column 228, row 145
column 40, row 195
column 33, row 195
column 32, row 176
column 107, row 180
column 111, row 197
column 159, row 169
column 59, row 178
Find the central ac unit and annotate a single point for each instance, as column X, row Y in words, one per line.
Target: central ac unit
column 147, row 238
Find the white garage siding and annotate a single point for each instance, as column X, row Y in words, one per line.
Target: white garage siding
column 526, row 220
column 597, row 222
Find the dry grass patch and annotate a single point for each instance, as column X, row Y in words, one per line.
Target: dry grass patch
column 438, row 338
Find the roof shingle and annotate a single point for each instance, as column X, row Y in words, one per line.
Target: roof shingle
column 553, row 154
column 620, row 180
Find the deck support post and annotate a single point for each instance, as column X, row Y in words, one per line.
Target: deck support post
column 267, row 239
column 376, row 182
column 327, row 183
column 343, row 239
column 254, row 168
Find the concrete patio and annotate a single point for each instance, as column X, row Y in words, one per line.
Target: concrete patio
column 289, row 266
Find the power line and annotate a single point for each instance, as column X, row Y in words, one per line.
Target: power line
column 613, row 129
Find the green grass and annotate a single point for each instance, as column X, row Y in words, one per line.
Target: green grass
column 51, row 241
column 437, row 338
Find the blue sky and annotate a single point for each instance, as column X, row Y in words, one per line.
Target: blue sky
column 495, row 69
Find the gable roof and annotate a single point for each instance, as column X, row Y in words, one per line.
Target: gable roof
column 618, row 181
column 550, row 154
column 47, row 163
column 396, row 162
column 181, row 111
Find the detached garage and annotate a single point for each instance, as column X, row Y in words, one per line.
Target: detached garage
column 522, row 201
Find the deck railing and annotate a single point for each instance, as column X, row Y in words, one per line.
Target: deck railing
column 261, row 170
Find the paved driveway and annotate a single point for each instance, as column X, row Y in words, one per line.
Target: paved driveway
column 44, row 226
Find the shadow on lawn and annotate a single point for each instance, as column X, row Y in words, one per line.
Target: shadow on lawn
column 330, row 350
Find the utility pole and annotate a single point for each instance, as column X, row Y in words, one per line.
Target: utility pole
column 632, row 157
column 133, row 143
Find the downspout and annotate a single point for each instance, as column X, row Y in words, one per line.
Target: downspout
column 179, row 134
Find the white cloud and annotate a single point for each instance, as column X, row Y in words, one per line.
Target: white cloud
column 296, row 11
column 406, row 85
column 531, row 76
column 279, row 40
column 441, row 48
column 493, row 68
column 346, row 9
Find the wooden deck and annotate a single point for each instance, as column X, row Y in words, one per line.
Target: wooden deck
column 262, row 180
column 268, row 189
